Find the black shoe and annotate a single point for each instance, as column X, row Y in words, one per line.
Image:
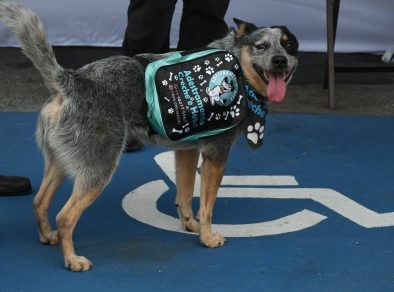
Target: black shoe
column 14, row 185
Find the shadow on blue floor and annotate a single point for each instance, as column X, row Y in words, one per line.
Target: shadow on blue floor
column 352, row 155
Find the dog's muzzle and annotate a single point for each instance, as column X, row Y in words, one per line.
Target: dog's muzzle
column 279, row 63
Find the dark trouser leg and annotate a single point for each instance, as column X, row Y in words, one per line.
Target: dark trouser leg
column 148, row 26
column 202, row 22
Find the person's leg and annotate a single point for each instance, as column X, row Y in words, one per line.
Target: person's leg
column 148, row 26
column 202, row 22
column 148, row 31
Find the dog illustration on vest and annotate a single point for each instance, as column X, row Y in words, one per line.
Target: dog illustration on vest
column 216, row 93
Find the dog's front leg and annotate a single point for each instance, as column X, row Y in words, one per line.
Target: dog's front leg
column 211, row 175
column 186, row 166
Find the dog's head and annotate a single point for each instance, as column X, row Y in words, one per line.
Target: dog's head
column 227, row 85
column 268, row 57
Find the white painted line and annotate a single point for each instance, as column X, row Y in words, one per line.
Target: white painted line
column 259, row 180
column 331, row 199
column 166, row 161
column 141, row 204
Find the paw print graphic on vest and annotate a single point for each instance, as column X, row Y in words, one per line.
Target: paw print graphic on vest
column 171, row 111
column 234, row 111
column 209, row 70
column 228, row 57
column 164, row 82
column 200, row 77
column 236, row 67
column 197, row 68
column 205, row 99
column 255, row 132
column 206, row 62
column 218, row 62
column 218, row 117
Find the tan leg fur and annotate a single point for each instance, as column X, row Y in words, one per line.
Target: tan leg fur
column 211, row 176
column 66, row 220
column 186, row 166
column 53, row 178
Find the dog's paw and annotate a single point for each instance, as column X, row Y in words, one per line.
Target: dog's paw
column 191, row 225
column 51, row 238
column 212, row 240
column 255, row 133
column 78, row 264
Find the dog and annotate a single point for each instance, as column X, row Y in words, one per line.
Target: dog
column 92, row 112
column 216, row 93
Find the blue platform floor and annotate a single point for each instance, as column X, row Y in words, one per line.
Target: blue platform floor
column 351, row 155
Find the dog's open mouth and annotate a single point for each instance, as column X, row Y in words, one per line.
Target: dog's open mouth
column 276, row 82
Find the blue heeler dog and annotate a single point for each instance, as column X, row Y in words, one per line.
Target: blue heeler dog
column 93, row 111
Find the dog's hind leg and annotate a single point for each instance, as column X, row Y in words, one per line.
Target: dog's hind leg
column 81, row 198
column 212, row 171
column 53, row 178
column 53, row 175
column 186, row 166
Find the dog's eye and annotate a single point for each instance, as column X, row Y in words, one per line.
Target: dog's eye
column 290, row 48
column 263, row 46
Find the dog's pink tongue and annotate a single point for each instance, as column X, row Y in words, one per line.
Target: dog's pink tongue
column 276, row 90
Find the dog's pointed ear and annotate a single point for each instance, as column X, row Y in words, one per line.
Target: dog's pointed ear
column 243, row 27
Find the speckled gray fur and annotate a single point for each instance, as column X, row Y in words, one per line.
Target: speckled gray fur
column 103, row 103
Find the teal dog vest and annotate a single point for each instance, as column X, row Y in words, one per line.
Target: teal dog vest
column 195, row 94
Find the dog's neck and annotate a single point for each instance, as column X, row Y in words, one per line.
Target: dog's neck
column 227, row 43
column 254, row 95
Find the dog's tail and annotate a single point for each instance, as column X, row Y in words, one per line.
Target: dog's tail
column 389, row 56
column 30, row 32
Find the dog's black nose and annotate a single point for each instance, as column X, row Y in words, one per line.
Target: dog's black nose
column 279, row 62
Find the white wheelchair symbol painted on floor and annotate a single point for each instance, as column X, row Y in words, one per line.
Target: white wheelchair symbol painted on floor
column 141, row 203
